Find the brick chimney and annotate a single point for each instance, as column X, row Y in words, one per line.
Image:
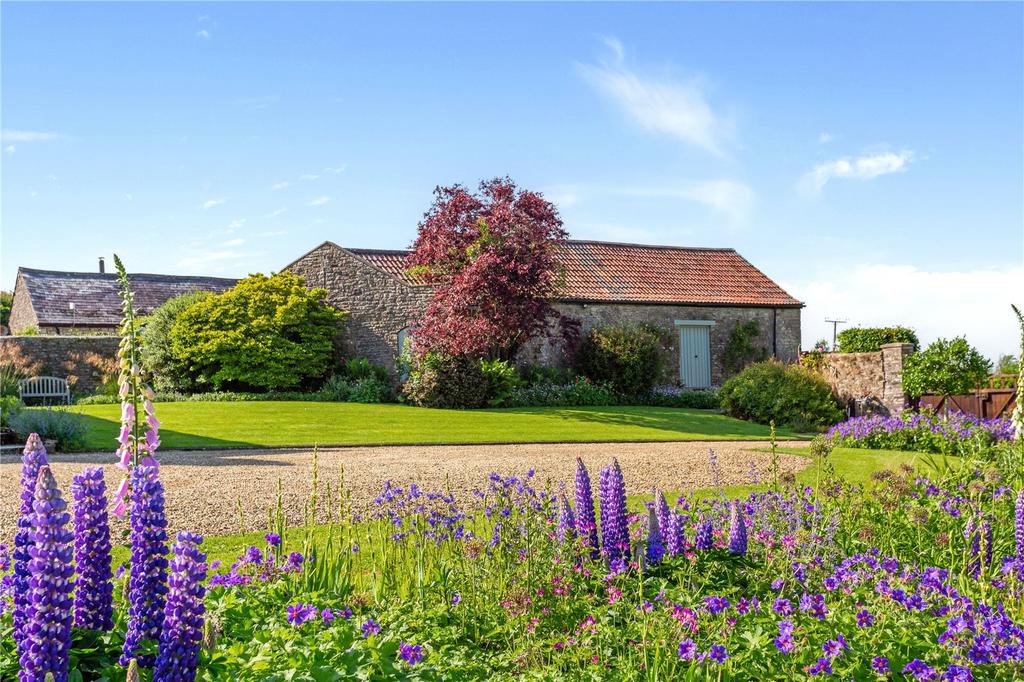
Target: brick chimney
column 103, row 267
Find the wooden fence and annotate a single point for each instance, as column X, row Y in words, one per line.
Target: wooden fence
column 996, row 399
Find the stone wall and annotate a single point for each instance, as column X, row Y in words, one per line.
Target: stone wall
column 869, row 383
column 379, row 305
column 779, row 337
column 22, row 314
column 83, row 361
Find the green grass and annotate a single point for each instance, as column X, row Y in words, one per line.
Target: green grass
column 278, row 424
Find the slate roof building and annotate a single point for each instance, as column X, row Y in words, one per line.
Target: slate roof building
column 57, row 302
column 696, row 295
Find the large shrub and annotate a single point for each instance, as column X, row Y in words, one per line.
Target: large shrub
column 169, row 372
column 789, row 394
column 502, row 378
column 870, row 339
column 946, row 367
column 446, row 381
column 264, row 333
column 630, row 357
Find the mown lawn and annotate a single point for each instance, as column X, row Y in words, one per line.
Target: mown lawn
column 268, row 424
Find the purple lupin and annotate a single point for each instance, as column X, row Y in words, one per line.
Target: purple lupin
column 704, row 537
column 93, row 589
column 586, row 519
column 566, row 521
column 47, row 628
column 663, row 512
column 655, row 543
column 182, row 631
column 33, row 457
column 148, row 565
column 737, row 530
column 614, row 521
column 675, row 538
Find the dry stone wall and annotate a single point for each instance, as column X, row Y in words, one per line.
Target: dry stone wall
column 83, row 361
column 869, row 383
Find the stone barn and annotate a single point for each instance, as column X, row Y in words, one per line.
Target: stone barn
column 696, row 295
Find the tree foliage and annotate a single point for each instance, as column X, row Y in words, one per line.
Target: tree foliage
column 870, row 339
column 6, row 303
column 266, row 333
column 169, row 373
column 491, row 258
column 945, row 367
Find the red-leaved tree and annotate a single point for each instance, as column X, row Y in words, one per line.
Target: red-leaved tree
column 491, row 258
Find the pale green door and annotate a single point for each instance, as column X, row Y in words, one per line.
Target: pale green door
column 695, row 356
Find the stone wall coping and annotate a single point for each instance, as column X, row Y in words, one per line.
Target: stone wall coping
column 897, row 345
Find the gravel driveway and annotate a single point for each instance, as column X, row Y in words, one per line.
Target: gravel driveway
column 204, row 487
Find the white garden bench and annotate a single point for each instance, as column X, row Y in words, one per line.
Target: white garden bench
column 45, row 387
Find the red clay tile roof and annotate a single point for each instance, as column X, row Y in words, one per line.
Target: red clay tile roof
column 96, row 295
column 637, row 273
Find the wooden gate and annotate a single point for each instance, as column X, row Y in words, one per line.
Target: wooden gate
column 997, row 399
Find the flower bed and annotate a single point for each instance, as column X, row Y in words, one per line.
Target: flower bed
column 922, row 431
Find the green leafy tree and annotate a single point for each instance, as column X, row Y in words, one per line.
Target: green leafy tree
column 1007, row 364
column 267, row 333
column 946, row 367
column 6, row 303
column 169, row 372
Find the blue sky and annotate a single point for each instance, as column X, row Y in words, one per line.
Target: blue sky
column 869, row 157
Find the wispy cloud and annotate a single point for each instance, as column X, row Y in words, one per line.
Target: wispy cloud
column 661, row 104
column 8, row 135
column 280, row 185
column 336, row 169
column 210, row 203
column 208, row 260
column 824, row 138
column 309, row 176
column 207, row 25
column 9, row 149
column 276, row 212
column 235, row 224
column 865, row 167
column 272, row 233
column 319, row 201
column 238, row 241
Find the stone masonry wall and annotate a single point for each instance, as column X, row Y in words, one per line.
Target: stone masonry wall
column 869, row 383
column 81, row 360
column 786, row 323
column 379, row 306
column 22, row 314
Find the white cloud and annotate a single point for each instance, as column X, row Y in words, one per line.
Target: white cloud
column 272, row 233
column 210, row 203
column 971, row 303
column 128, row 196
column 9, row 149
column 238, row 241
column 236, row 224
column 308, row 176
column 27, row 136
column 280, row 185
column 865, row 167
column 319, row 201
column 659, row 104
column 824, row 138
column 275, row 213
column 336, row 169
column 204, row 34
column 731, row 198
